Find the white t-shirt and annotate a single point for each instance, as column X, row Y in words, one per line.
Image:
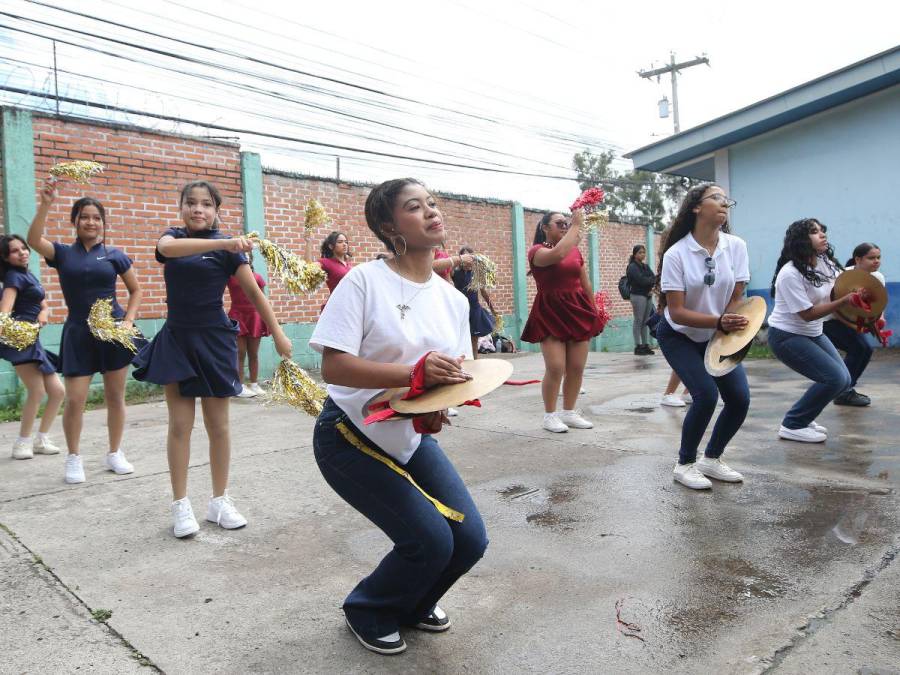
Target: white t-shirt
column 684, row 266
column 793, row 293
column 362, row 319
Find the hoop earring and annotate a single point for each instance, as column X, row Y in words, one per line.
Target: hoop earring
column 394, row 244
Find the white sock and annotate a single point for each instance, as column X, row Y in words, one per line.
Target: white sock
column 568, row 412
column 41, row 436
column 550, row 414
column 24, row 439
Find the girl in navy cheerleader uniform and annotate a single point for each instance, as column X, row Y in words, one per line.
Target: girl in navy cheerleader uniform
column 23, row 297
column 194, row 354
column 88, row 270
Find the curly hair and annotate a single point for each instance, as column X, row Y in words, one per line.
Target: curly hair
column 327, row 248
column 798, row 249
column 682, row 225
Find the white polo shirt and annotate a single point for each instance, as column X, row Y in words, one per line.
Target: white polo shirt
column 794, row 293
column 684, row 266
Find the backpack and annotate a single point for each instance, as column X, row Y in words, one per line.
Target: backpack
column 624, row 287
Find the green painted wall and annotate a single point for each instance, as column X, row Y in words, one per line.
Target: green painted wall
column 254, row 205
column 17, row 138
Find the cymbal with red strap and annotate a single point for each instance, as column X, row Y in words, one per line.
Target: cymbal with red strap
column 856, row 280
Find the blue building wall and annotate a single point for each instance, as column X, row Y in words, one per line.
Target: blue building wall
column 841, row 167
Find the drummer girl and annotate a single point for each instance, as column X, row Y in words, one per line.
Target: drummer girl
column 88, row 270
column 801, row 286
column 23, row 298
column 703, row 271
column 563, row 317
column 194, row 354
column 388, row 324
column 866, row 257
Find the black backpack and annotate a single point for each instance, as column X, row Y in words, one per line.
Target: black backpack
column 624, row 287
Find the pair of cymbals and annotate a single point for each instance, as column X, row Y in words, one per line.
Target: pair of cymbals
column 726, row 350
column 487, row 375
column 857, row 280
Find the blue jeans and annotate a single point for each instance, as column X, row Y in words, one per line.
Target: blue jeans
column 686, row 358
column 858, row 350
column 814, row 358
column 430, row 552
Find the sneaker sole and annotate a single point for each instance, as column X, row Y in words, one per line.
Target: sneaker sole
column 236, row 527
column 74, row 482
column 432, row 628
column 720, row 478
column 118, row 473
column 23, row 457
column 786, row 437
column 556, row 431
column 182, row 535
column 46, row 452
column 374, row 648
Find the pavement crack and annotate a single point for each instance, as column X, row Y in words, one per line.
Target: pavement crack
column 38, row 560
column 826, row 616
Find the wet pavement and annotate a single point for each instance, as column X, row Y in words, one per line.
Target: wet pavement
column 598, row 562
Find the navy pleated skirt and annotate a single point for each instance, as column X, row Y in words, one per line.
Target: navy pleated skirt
column 47, row 362
column 81, row 353
column 202, row 360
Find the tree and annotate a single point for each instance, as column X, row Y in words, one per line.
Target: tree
column 639, row 197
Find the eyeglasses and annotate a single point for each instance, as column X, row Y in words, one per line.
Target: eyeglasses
column 710, row 277
column 721, row 199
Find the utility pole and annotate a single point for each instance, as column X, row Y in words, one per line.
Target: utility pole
column 673, row 68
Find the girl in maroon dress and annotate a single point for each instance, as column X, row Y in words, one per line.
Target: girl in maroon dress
column 563, row 317
column 334, row 258
column 252, row 330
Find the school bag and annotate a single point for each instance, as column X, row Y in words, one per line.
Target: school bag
column 624, row 287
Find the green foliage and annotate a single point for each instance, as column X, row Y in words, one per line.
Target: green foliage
column 135, row 392
column 640, row 197
column 101, row 615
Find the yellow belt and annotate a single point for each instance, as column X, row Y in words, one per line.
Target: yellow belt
column 353, row 439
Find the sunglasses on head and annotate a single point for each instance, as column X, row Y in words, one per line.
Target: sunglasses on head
column 710, row 277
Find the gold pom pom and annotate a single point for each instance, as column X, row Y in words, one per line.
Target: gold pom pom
column 315, row 214
column 498, row 324
column 292, row 385
column 79, row 171
column 106, row 328
column 296, row 274
column 595, row 218
column 19, row 335
column 484, row 274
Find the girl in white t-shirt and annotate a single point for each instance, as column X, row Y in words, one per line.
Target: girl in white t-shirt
column 703, row 272
column 374, row 334
column 801, row 287
column 866, row 257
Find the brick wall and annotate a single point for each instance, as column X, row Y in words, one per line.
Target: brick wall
column 144, row 173
column 485, row 225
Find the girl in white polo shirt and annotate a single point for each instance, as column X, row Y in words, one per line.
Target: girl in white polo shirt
column 703, row 272
column 801, row 287
column 374, row 334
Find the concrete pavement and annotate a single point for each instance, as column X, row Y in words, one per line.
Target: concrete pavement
column 796, row 570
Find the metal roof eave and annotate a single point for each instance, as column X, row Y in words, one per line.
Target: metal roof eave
column 842, row 86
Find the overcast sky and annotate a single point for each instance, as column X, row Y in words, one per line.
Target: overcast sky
column 514, row 85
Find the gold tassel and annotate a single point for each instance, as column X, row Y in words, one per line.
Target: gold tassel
column 19, row 335
column 292, row 385
column 80, row 171
column 498, row 324
column 595, row 218
column 315, row 215
column 296, row 274
column 106, row 328
column 484, row 274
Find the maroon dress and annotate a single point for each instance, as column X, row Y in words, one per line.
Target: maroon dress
column 250, row 323
column 336, row 270
column 561, row 308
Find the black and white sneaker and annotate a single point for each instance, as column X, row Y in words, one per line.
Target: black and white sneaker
column 387, row 644
column 436, row 622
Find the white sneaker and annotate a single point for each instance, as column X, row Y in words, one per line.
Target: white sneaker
column 804, row 435
column 74, row 469
column 22, row 449
column 115, row 461
column 574, row 420
column 687, row 475
column 44, row 446
column 818, row 427
column 183, row 520
column 256, row 389
column 245, row 392
column 221, row 511
column 554, row 424
column 672, row 400
column 687, row 398
column 716, row 468
column 452, row 412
